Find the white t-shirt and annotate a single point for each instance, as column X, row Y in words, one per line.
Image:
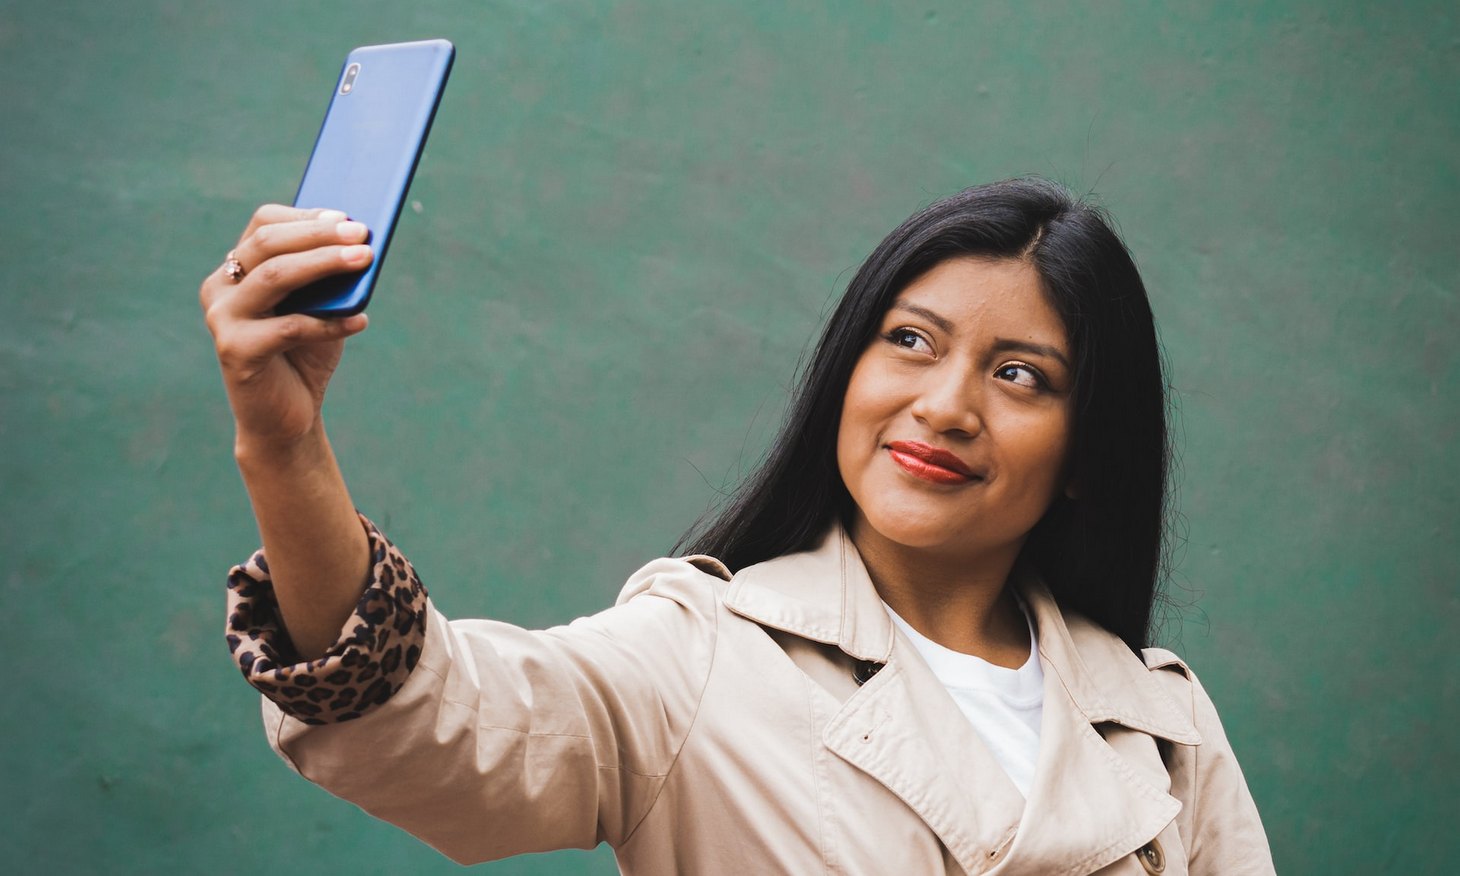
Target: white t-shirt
column 1004, row 705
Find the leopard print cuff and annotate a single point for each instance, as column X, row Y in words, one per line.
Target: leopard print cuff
column 378, row 646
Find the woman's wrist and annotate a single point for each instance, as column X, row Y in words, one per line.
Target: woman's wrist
column 259, row 453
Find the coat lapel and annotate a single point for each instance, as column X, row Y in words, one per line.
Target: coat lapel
column 904, row 730
column 1088, row 806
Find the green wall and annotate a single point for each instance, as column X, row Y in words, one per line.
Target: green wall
column 630, row 220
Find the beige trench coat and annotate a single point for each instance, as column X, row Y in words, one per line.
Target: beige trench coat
column 706, row 726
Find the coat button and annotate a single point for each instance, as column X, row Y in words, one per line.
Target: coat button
column 863, row 670
column 1152, row 858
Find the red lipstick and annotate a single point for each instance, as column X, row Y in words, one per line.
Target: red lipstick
column 930, row 463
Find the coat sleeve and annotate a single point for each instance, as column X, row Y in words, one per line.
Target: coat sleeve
column 500, row 740
column 1221, row 828
column 375, row 652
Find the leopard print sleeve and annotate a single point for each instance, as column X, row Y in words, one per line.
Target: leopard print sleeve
column 378, row 646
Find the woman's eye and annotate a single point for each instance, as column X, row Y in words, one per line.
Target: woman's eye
column 1023, row 375
column 909, row 339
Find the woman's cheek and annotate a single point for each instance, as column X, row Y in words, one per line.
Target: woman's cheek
column 859, row 434
column 1046, row 447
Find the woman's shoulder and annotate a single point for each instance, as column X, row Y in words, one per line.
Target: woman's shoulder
column 1163, row 658
column 687, row 580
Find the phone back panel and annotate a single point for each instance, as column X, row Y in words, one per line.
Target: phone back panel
column 366, row 153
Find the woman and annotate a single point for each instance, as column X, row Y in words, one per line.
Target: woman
column 913, row 642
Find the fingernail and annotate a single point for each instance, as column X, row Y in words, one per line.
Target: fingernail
column 357, row 254
column 351, row 230
column 333, row 216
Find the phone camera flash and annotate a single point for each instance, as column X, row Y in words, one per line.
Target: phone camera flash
column 347, row 84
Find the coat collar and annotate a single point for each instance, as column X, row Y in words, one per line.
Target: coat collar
column 1088, row 805
column 826, row 595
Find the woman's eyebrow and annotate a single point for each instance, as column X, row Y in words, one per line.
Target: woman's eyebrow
column 1010, row 344
column 943, row 324
column 1000, row 344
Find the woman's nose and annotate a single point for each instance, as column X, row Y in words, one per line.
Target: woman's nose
column 950, row 402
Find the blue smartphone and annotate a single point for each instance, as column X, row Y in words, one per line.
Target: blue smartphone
column 366, row 154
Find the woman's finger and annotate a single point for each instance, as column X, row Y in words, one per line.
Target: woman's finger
column 268, row 283
column 270, row 214
column 279, row 238
column 252, row 343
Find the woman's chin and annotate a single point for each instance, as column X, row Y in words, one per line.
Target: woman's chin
column 909, row 531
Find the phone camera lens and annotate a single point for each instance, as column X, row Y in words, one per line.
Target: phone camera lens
column 347, row 84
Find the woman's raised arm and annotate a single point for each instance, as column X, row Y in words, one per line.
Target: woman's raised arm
column 276, row 370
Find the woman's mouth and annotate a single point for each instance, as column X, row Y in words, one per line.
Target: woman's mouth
column 930, row 463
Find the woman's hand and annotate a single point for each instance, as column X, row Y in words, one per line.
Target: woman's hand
column 276, row 368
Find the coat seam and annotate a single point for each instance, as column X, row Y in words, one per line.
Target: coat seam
column 1064, row 685
column 279, row 735
column 814, row 742
column 633, row 772
column 1195, row 757
column 693, row 722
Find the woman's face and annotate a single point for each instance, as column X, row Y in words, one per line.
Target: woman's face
column 956, row 426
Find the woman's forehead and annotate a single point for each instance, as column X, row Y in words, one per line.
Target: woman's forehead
column 976, row 295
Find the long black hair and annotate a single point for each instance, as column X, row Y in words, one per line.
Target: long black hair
column 1100, row 552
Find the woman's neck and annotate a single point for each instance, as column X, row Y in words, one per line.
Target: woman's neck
column 961, row 602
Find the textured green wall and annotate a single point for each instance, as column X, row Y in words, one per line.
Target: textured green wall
column 630, row 220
